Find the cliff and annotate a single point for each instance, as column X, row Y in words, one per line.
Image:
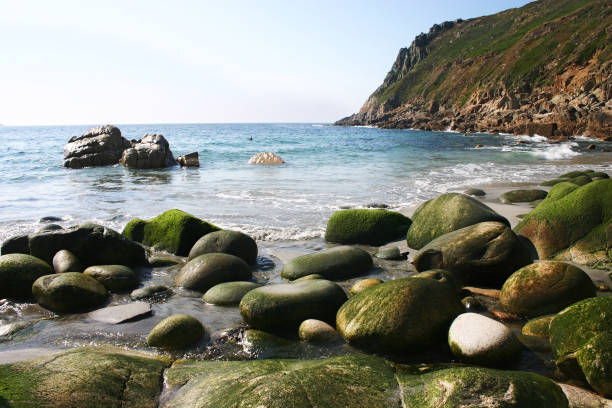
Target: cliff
column 544, row 68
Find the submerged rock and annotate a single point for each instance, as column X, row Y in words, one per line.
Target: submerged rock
column 173, row 231
column 341, row 262
column 68, row 292
column 189, row 160
column 522, row 196
column 176, row 332
column 116, row 278
column 266, row 158
column 65, row 261
column 121, row 313
column 151, row 292
column 228, row 293
column 152, row 152
column 206, row 271
column 369, row 227
column 99, row 146
column 17, row 274
column 227, row 242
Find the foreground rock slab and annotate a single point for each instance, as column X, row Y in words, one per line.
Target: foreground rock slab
column 121, row 313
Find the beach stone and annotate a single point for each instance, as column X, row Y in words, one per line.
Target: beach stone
column 545, row 287
column 581, row 398
column 560, row 190
column 228, row 293
column 9, row 329
column 260, row 344
column 151, row 292
column 309, row 277
column 398, row 316
column 522, row 196
column 116, row 278
column 65, row 261
column 599, row 175
column 574, row 227
column 341, row 262
column 50, row 227
column 189, row 160
column 208, row 270
column 157, row 261
column 389, row 253
column 365, row 226
column 580, row 180
column 477, row 339
column 446, row 213
column 442, row 276
column 472, row 303
column 317, row 331
column 176, row 332
column 286, row 305
column 484, row 253
column 99, row 146
column 151, row 152
column 17, row 274
column 364, row 284
column 18, row 244
column 121, row 313
column 92, row 244
column 577, row 348
column 538, row 327
column 475, row 192
column 50, row 218
column 69, row 292
column 173, row 231
column 84, row 377
column 227, row 242
column 266, row 158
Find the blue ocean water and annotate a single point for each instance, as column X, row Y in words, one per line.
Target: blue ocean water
column 327, row 168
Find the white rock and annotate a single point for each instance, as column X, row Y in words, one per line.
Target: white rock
column 266, row 158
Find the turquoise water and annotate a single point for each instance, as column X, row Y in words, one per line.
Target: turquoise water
column 327, row 168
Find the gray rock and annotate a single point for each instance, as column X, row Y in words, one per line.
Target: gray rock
column 151, row 292
column 189, row 160
column 475, row 192
column 206, row 271
column 99, row 146
column 65, row 261
column 151, row 152
column 121, row 313
column 390, row 253
column 228, row 293
column 50, row 218
column 340, row 262
column 227, row 242
column 116, row 278
column 17, row 274
column 68, row 292
column 50, row 227
column 522, row 196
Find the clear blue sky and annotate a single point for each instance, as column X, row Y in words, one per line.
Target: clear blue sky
column 94, row 62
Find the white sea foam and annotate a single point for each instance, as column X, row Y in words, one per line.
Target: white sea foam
column 557, row 152
column 586, row 138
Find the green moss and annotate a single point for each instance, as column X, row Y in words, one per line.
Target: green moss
column 174, row 231
column 595, row 360
column 553, row 182
column 580, row 180
column 371, row 227
column 538, row 327
column 176, row 332
column 560, row 190
column 341, row 262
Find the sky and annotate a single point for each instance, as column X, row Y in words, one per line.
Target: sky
column 95, row 62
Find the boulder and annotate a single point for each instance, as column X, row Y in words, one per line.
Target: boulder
column 364, row 226
column 227, row 242
column 173, row 231
column 484, row 253
column 228, row 293
column 341, row 262
column 364, row 284
column 99, row 146
column 537, row 327
column 471, row 304
column 399, row 316
column 545, row 287
column 189, row 160
column 574, row 226
column 84, row 377
column 446, row 213
column 285, row 306
column 116, row 278
column 92, row 244
column 206, row 271
column 522, row 196
column 68, row 292
column 154, row 292
column 158, row 260
column 309, row 277
column 446, row 277
column 266, row 158
column 50, row 227
column 17, row 274
column 65, row 261
column 476, row 192
column 580, row 337
column 176, row 332
column 317, row 331
column 152, row 152
column 477, row 339
column 391, row 253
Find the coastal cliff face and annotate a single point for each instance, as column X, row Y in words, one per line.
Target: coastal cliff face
column 545, row 68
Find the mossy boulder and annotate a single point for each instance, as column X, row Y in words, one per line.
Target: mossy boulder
column 85, row 378
column 522, row 196
column 317, row 331
column 173, row 231
column 69, row 292
column 206, row 271
column 574, row 226
column 341, row 262
column 484, row 253
column 116, row 278
column 446, row 213
column 399, row 316
column 285, row 306
column 176, row 332
column 560, row 190
column 545, row 287
column 228, row 293
column 538, row 327
column 17, row 274
column 364, row 284
column 66, row 261
column 477, row 339
column 227, row 242
column 577, row 348
column 366, row 226
column 580, row 180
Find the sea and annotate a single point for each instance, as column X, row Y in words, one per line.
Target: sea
column 327, row 168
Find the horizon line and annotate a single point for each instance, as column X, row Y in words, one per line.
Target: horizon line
column 171, row 123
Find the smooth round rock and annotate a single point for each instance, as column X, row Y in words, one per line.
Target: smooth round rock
column 69, row 292
column 366, row 226
column 472, row 303
column 341, row 262
column 154, row 291
column 227, row 242
column 522, row 196
column 364, row 284
column 545, row 287
column 538, row 327
column 50, row 227
column 205, row 271
column 66, row 261
column 17, row 274
column 442, row 276
column 176, row 332
column 477, row 339
column 389, row 253
column 228, row 293
column 116, row 278
column 286, row 305
column 476, row 192
column 309, row 277
column 317, row 331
